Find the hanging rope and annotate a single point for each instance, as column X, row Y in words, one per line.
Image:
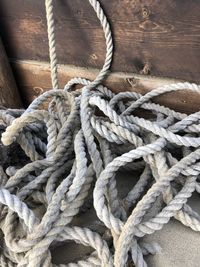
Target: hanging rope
column 71, row 150
column 52, row 43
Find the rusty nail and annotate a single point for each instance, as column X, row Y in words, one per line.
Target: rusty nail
column 146, row 69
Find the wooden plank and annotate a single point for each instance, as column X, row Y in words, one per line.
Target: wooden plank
column 34, row 79
column 166, row 34
column 9, row 96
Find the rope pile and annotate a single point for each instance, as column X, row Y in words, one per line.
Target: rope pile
column 74, row 149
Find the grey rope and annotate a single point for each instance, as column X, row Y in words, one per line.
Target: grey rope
column 52, row 43
column 71, row 152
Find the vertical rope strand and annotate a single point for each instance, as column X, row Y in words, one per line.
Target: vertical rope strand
column 52, row 43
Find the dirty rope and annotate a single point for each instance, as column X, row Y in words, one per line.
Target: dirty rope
column 76, row 151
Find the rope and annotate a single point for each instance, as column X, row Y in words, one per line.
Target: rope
column 52, row 43
column 69, row 158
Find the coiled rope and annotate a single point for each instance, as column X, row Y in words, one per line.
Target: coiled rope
column 77, row 146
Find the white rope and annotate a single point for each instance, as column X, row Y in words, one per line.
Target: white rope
column 52, row 43
column 71, row 152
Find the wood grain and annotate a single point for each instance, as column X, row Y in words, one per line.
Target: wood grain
column 166, row 34
column 9, row 96
column 34, row 79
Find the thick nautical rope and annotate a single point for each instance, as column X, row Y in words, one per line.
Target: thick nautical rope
column 74, row 153
column 52, row 43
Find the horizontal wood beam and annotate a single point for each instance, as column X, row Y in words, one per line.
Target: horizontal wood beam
column 34, row 78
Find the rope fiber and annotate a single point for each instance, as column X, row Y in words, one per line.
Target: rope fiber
column 71, row 158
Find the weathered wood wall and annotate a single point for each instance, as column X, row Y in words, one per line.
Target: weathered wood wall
column 165, row 34
column 9, row 94
column 34, row 79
